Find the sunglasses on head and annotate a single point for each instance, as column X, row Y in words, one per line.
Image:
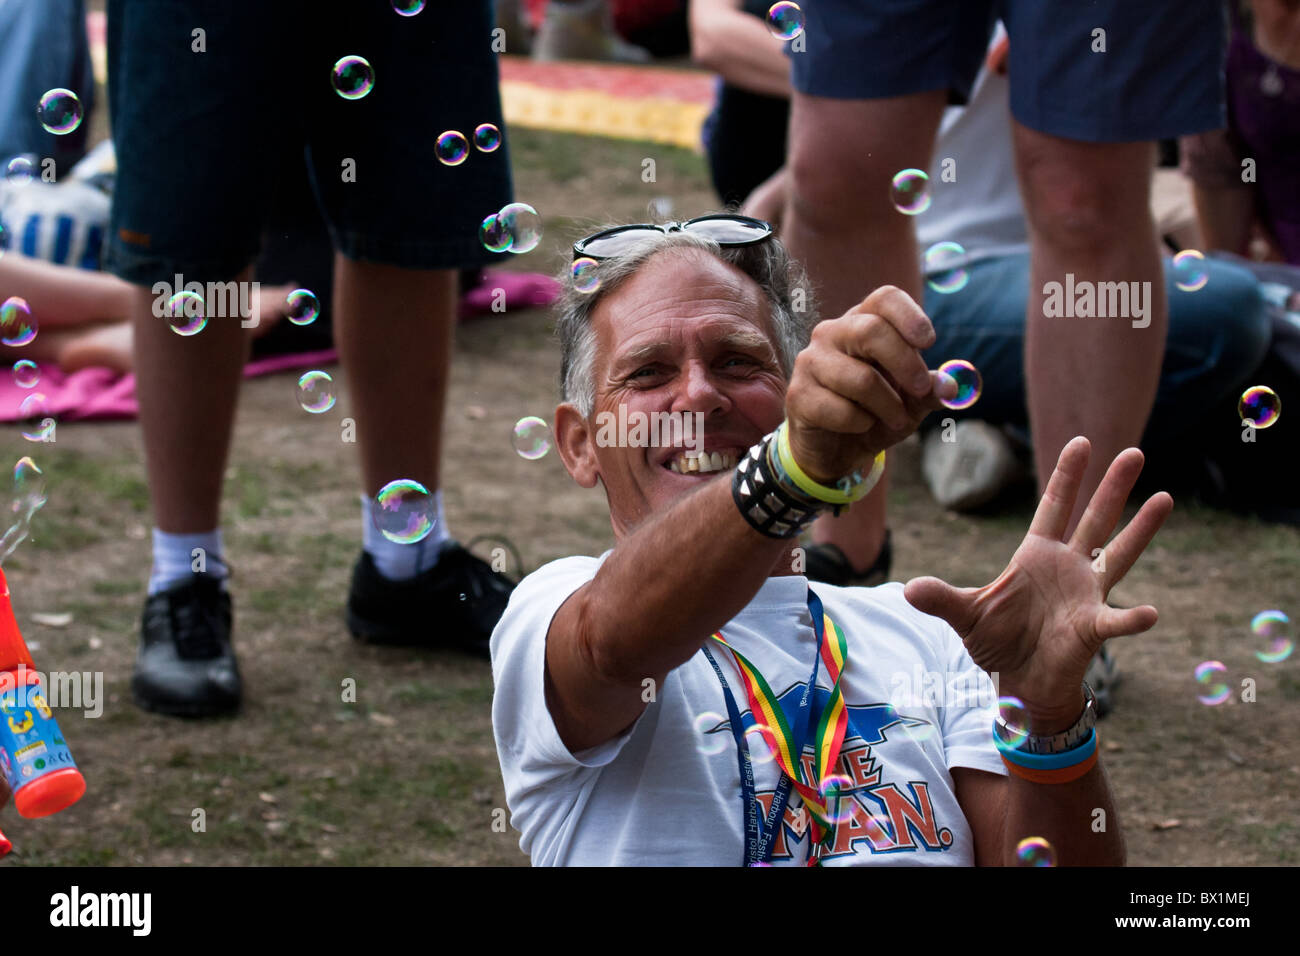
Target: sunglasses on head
column 724, row 229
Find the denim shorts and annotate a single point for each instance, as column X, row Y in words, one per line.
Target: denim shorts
column 1159, row 76
column 201, row 91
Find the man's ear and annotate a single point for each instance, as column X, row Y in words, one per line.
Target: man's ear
column 576, row 444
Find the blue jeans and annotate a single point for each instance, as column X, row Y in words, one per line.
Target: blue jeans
column 43, row 46
column 1217, row 336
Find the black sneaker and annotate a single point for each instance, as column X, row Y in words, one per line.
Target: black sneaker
column 186, row 666
column 828, row 564
column 454, row 604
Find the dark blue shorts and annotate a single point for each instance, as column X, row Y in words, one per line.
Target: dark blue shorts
column 1161, row 74
column 193, row 129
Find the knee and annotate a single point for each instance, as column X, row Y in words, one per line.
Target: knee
column 825, row 184
column 1080, row 210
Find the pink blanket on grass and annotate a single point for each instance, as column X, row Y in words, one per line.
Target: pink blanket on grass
column 100, row 394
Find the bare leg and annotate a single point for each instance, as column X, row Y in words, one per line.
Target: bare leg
column 62, row 296
column 393, row 329
column 840, row 223
column 1088, row 210
column 188, row 388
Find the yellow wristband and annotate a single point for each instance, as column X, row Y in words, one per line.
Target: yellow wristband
column 820, row 492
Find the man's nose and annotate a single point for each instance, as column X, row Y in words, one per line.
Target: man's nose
column 700, row 392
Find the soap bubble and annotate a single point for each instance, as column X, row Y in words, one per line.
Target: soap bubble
column 785, row 20
column 523, row 224
column 1260, row 406
column 451, row 148
column 304, row 307
column 316, row 392
column 1035, row 851
column 408, row 8
column 840, row 805
column 17, row 325
column 185, row 313
column 970, row 385
column 586, row 275
column 28, row 497
column 909, row 191
column 26, row 373
column 1189, row 270
column 59, row 111
column 19, row 170
column 1274, row 627
column 353, row 77
column 762, row 744
column 404, row 511
column 492, row 233
column 709, row 740
column 1012, row 711
column 1209, row 679
column 532, row 437
column 942, row 272
column 487, row 137
column 34, row 413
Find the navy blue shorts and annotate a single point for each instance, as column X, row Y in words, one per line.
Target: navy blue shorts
column 192, row 129
column 1160, row 75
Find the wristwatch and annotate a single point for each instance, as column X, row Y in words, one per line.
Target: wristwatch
column 1055, row 743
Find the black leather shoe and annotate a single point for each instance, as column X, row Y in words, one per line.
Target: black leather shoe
column 455, row 604
column 827, row 563
column 186, row 666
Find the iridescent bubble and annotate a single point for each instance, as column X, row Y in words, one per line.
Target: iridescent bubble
column 523, row 224
column 1210, row 681
column 586, row 275
column 835, row 793
column 404, row 511
column 26, row 373
column 451, row 148
column 1189, row 270
column 304, row 307
column 29, row 496
column 492, row 233
column 1275, row 628
column 316, row 392
column 785, row 20
column 17, row 325
column 762, row 744
column 353, row 77
column 1260, row 406
column 59, row 111
column 1016, row 717
column 909, row 191
column 486, row 138
column 34, row 413
column 19, row 170
column 1035, row 851
column 185, row 313
column 919, row 731
column 969, row 383
column 408, row 8
column 942, row 272
column 532, row 437
column 708, row 740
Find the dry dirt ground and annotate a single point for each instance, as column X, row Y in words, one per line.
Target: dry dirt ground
column 408, row 773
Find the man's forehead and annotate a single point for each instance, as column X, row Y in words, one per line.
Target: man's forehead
column 692, row 294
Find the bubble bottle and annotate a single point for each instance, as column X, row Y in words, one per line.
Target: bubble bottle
column 34, row 757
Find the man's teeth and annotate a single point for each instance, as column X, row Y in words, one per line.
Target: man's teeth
column 703, row 463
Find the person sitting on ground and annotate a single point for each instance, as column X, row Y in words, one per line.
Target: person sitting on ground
column 613, row 674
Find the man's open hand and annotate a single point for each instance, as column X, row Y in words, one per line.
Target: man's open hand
column 1039, row 624
column 861, row 385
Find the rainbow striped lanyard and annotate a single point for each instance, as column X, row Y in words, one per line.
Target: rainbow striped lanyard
column 787, row 742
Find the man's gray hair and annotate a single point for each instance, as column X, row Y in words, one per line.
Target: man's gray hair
column 783, row 282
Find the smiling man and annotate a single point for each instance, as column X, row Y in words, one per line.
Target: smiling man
column 687, row 699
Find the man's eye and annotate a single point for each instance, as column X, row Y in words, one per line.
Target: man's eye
column 642, row 372
column 741, row 359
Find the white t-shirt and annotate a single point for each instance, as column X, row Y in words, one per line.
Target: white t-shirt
column 667, row 792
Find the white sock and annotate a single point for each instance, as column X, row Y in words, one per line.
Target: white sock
column 174, row 558
column 401, row 562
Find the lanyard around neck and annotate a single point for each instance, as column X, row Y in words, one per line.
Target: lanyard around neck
column 787, row 741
